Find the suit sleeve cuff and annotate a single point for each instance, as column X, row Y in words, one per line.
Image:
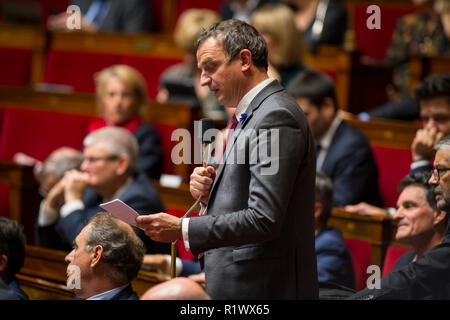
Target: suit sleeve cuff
column 47, row 216
column 185, row 233
column 70, row 207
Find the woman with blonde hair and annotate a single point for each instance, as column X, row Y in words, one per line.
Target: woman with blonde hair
column 189, row 26
column 121, row 95
column 276, row 24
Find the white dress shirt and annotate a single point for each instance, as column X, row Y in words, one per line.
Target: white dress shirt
column 325, row 142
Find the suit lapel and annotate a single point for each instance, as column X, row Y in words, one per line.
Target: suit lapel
column 270, row 89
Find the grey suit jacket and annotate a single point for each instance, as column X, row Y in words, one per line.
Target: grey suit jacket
column 258, row 234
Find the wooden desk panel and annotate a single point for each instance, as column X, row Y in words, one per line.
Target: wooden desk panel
column 396, row 134
column 375, row 229
column 40, row 289
column 151, row 45
column 23, row 198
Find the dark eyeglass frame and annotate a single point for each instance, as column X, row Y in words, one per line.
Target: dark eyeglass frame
column 437, row 172
column 96, row 159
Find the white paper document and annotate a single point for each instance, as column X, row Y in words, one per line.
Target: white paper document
column 121, row 211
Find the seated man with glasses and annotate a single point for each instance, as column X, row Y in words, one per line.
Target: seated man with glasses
column 108, row 171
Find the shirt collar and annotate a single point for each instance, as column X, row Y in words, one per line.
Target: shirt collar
column 249, row 96
column 108, row 295
column 328, row 137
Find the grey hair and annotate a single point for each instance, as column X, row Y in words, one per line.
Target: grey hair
column 444, row 143
column 236, row 35
column 123, row 251
column 59, row 165
column 117, row 141
column 324, row 195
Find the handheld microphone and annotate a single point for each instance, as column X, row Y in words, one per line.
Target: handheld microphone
column 204, row 125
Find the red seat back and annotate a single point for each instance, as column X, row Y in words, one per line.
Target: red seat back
column 38, row 133
column 360, row 252
column 15, row 66
column 375, row 42
column 393, row 253
column 76, row 69
column 393, row 164
column 151, row 68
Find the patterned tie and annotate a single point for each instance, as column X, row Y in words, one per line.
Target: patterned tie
column 233, row 124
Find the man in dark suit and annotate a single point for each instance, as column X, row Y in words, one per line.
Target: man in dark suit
column 106, row 257
column 109, row 16
column 109, row 171
column 429, row 276
column 343, row 153
column 334, row 262
column 256, row 228
column 433, row 96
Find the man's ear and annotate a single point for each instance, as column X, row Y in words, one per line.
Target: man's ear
column 96, row 255
column 3, row 262
column 246, row 59
column 123, row 164
column 439, row 216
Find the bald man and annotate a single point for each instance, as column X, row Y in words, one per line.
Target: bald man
column 176, row 289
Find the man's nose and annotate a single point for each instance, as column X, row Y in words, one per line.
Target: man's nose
column 433, row 180
column 204, row 80
column 430, row 124
column 68, row 258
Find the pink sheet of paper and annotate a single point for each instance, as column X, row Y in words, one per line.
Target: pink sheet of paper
column 121, row 211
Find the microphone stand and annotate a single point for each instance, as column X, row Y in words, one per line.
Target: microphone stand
column 173, row 246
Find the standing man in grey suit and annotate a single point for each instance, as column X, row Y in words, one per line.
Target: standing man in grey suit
column 256, row 226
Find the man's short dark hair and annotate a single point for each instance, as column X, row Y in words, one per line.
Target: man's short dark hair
column 314, row 86
column 420, row 179
column 433, row 87
column 236, row 35
column 12, row 244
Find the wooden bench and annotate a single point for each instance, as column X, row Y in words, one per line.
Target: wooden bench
column 41, row 289
column 22, row 200
column 387, row 133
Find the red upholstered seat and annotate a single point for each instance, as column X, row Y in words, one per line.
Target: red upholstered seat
column 76, row 69
column 393, row 164
column 393, row 253
column 151, row 68
column 165, row 132
column 375, row 42
column 15, row 66
column 38, row 133
column 360, row 252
